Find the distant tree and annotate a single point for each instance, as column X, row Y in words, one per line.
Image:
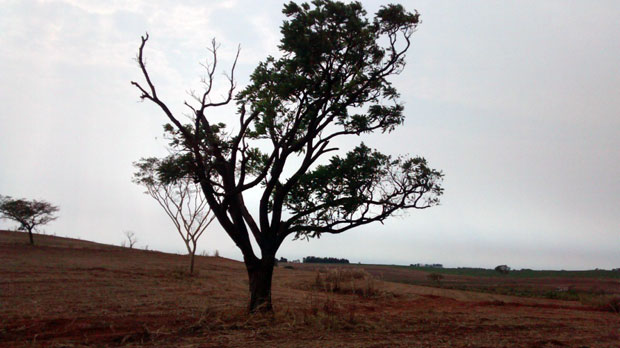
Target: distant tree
column 503, row 269
column 29, row 214
column 283, row 259
column 131, row 239
column 331, row 80
column 180, row 197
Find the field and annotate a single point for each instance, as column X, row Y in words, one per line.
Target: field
column 71, row 293
column 584, row 286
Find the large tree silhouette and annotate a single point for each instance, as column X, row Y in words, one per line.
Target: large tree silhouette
column 330, row 81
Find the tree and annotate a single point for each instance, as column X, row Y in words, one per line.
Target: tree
column 29, row 214
column 330, row 81
column 131, row 239
column 181, row 199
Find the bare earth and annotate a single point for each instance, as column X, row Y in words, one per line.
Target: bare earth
column 71, row 293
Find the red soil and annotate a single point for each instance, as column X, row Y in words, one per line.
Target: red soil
column 69, row 293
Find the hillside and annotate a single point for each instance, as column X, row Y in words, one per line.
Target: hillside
column 71, row 293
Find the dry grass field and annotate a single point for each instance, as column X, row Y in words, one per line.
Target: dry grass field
column 71, row 293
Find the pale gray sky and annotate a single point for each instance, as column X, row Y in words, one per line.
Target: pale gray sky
column 517, row 101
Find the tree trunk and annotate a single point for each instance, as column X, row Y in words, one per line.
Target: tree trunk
column 30, row 235
column 191, row 263
column 260, row 273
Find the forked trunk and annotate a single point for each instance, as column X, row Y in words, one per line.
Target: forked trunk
column 260, row 273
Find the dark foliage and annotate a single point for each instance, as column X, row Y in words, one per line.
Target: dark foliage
column 314, row 259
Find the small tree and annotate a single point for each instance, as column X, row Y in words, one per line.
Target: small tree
column 330, row 81
column 180, row 197
column 29, row 214
column 131, row 239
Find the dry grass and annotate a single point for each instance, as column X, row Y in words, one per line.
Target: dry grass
column 67, row 293
column 347, row 281
column 608, row 303
column 316, row 312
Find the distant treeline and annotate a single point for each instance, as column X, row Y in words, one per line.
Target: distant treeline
column 523, row 273
column 431, row 265
column 314, row 259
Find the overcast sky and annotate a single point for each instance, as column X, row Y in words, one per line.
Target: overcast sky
column 517, row 102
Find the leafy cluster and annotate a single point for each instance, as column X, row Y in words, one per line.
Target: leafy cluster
column 332, row 63
column 362, row 187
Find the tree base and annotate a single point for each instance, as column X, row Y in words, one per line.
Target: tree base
column 260, row 273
